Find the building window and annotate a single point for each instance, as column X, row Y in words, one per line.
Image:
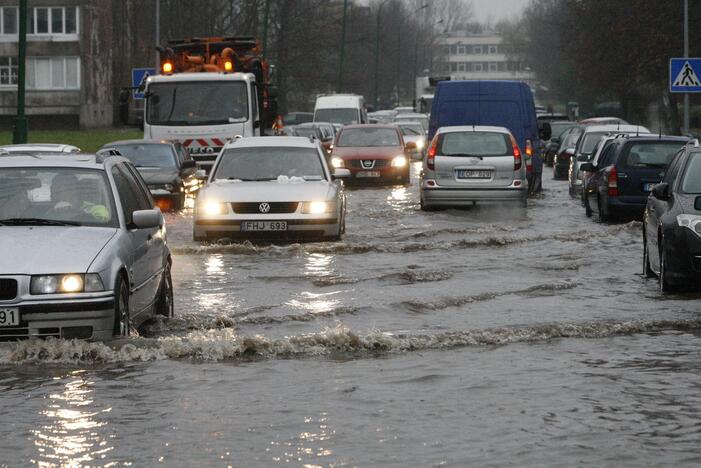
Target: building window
column 53, row 20
column 446, row 50
column 9, row 20
column 478, row 66
column 461, row 67
column 502, row 66
column 493, row 66
column 461, row 50
column 477, row 49
column 53, row 73
column 453, row 67
column 8, row 71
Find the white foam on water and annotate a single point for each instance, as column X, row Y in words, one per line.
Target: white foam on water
column 227, row 344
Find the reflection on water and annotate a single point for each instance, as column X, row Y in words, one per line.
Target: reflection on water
column 215, row 292
column 317, row 265
column 398, row 198
column 308, row 444
column 71, row 437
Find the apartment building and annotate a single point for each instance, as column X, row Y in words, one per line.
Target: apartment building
column 69, row 63
column 481, row 56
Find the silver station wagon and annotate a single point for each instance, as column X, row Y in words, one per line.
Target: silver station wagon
column 473, row 164
column 83, row 251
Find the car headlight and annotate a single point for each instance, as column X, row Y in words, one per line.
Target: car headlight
column 318, row 207
column 399, row 161
column 337, row 162
column 68, row 283
column 692, row 222
column 212, row 208
column 420, row 143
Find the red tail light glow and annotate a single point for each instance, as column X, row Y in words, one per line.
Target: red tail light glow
column 613, row 182
column 431, row 155
column 518, row 161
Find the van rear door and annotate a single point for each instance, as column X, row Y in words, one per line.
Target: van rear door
column 474, row 159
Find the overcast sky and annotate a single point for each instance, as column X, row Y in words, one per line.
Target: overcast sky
column 496, row 10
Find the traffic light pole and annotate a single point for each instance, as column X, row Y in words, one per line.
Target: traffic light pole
column 686, row 55
column 20, row 131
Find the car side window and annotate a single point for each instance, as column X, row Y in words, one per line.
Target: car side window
column 608, row 158
column 143, row 194
column 673, row 169
column 179, row 152
column 127, row 195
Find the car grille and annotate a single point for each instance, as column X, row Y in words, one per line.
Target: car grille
column 8, row 289
column 255, row 208
column 378, row 163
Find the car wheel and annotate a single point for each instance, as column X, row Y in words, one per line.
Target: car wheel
column 587, row 208
column 122, row 325
column 603, row 217
column 665, row 284
column 425, row 207
column 647, row 271
column 164, row 304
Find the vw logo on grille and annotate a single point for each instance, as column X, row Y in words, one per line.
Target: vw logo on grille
column 368, row 163
column 264, row 207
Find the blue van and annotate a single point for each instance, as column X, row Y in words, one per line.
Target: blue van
column 507, row 104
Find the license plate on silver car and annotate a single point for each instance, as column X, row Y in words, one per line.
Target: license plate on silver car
column 257, row 226
column 9, row 317
column 473, row 174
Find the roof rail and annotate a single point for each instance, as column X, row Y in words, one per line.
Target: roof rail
column 104, row 153
column 693, row 142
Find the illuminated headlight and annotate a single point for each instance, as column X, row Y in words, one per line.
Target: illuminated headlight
column 692, row 222
column 70, row 283
column 399, row 161
column 318, row 207
column 420, row 143
column 337, row 163
column 212, row 208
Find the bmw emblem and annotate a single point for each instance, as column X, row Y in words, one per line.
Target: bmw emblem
column 264, row 207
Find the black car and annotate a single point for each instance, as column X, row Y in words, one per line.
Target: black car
column 166, row 167
column 553, row 144
column 625, row 174
column 672, row 224
column 561, row 161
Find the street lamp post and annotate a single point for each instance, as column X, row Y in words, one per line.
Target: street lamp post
column 377, row 54
column 686, row 55
column 266, row 16
column 339, row 86
column 19, row 134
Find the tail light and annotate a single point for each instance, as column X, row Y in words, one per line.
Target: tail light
column 529, row 154
column 518, row 160
column 613, row 182
column 431, row 157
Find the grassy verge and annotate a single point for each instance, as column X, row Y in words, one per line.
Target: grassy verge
column 87, row 140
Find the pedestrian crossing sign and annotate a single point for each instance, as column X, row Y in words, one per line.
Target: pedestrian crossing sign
column 138, row 80
column 685, row 75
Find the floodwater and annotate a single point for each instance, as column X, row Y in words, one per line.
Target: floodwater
column 486, row 336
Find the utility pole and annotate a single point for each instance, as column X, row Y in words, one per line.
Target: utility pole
column 339, row 86
column 686, row 56
column 266, row 15
column 158, row 35
column 377, row 55
column 20, row 131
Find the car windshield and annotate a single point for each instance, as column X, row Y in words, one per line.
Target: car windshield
column 650, row 154
column 474, row 144
column 55, row 196
column 412, row 129
column 368, row 137
column 339, row 115
column 692, row 175
column 269, row 163
column 149, row 154
column 197, row 103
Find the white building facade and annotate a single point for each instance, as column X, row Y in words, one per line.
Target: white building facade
column 481, row 56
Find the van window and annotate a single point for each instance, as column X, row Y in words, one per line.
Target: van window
column 340, row 115
column 474, row 144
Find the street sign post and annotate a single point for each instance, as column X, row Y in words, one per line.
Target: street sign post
column 138, row 78
column 685, row 75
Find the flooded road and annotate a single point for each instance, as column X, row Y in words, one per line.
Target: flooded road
column 458, row 337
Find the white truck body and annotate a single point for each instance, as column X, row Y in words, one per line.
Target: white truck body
column 202, row 111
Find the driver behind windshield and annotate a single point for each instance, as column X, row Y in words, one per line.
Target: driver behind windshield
column 73, row 199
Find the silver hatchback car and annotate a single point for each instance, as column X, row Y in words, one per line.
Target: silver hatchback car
column 471, row 164
column 83, row 251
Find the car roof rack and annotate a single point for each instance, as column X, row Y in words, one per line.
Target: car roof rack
column 104, row 153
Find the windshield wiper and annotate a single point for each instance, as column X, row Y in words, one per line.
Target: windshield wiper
column 36, row 222
column 464, row 155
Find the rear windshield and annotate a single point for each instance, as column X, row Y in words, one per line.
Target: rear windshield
column 305, row 132
column 369, row 137
column 343, row 116
column 653, row 154
column 692, row 175
column 590, row 141
column 475, row 144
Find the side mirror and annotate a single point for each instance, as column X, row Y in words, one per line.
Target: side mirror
column 147, row 219
column 587, row 167
column 201, row 174
column 697, row 203
column 545, row 131
column 410, row 146
column 189, row 164
column 662, row 192
column 341, row 173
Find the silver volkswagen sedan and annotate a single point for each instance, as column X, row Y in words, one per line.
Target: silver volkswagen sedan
column 271, row 187
column 83, row 251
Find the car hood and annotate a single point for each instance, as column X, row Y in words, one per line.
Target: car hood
column 376, row 152
column 273, row 191
column 27, row 250
column 158, row 175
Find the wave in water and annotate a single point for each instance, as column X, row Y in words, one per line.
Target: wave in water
column 227, row 344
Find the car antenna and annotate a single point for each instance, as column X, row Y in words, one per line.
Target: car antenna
column 637, row 131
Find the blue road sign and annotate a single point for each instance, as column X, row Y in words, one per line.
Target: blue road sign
column 685, row 75
column 138, row 78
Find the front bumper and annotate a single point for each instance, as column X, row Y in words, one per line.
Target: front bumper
column 221, row 228
column 67, row 318
column 453, row 196
column 386, row 174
